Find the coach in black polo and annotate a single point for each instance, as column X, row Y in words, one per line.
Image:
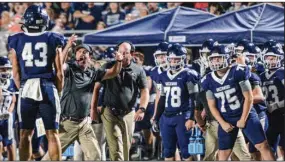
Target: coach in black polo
column 120, row 95
column 79, row 80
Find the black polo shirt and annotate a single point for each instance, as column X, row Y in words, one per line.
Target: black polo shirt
column 121, row 92
column 203, row 103
column 78, row 90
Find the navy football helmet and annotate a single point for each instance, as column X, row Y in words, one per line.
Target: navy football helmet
column 160, row 55
column 251, row 52
column 270, row 44
column 204, row 52
column 176, row 56
column 35, row 18
column 219, row 58
column 5, row 71
column 273, row 57
column 109, row 54
column 241, row 45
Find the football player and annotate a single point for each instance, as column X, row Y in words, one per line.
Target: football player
column 273, row 87
column 178, row 85
column 249, row 57
column 160, row 59
column 229, row 97
column 7, row 104
column 37, row 68
column 210, row 125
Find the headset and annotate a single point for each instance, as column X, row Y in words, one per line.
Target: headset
column 133, row 48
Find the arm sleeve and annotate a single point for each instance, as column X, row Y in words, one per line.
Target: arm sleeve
column 254, row 80
column 210, row 95
column 245, row 86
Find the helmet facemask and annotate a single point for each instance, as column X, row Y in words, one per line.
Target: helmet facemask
column 218, row 61
column 176, row 62
column 5, row 76
column 272, row 61
column 160, row 59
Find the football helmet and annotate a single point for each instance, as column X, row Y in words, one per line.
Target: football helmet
column 270, row 44
column 176, row 56
column 160, row 55
column 251, row 52
column 35, row 18
column 273, row 57
column 5, row 72
column 108, row 54
column 219, row 58
column 241, row 45
column 204, row 52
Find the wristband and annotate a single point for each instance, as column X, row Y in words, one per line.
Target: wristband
column 142, row 109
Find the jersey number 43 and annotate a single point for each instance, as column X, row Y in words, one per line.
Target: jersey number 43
column 28, row 56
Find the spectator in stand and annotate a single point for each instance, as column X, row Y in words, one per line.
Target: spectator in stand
column 63, row 18
column 53, row 6
column 65, row 8
column 201, row 6
column 58, row 27
column 214, row 8
column 138, row 6
column 51, row 15
column 153, row 7
column 237, row 6
column 129, row 17
column 143, row 12
column 114, row 16
column 18, row 9
column 87, row 17
column 100, row 25
column 5, row 20
column 128, row 7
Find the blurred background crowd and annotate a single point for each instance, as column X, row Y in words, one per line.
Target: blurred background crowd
column 97, row 16
column 85, row 17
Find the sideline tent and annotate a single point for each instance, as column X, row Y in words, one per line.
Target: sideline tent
column 150, row 30
column 257, row 23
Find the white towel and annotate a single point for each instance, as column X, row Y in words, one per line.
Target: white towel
column 32, row 89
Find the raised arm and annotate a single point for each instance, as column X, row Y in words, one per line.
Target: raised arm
column 115, row 70
column 64, row 52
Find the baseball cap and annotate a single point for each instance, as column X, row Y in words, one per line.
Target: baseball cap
column 85, row 46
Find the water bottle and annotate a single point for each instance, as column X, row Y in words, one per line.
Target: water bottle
column 199, row 142
column 191, row 145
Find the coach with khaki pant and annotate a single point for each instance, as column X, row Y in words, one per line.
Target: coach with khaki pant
column 118, row 115
column 79, row 80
